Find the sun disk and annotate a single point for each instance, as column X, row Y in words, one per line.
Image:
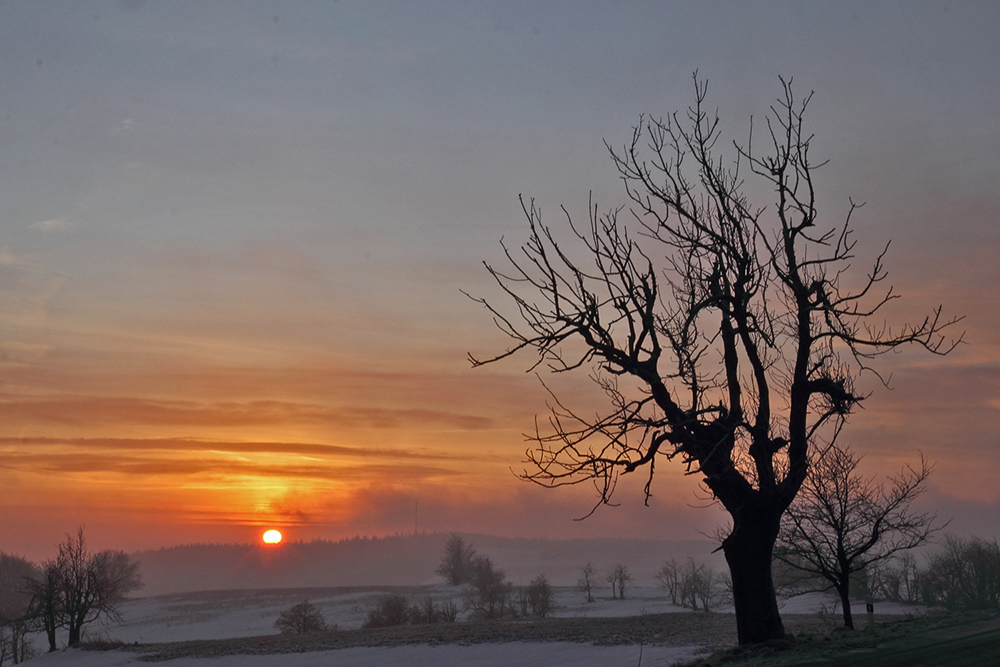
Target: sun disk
column 272, row 537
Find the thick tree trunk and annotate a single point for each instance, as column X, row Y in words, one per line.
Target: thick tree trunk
column 50, row 634
column 845, row 603
column 748, row 551
column 74, row 635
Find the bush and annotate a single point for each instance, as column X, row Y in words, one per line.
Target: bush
column 449, row 611
column 491, row 594
column 389, row 610
column 300, row 619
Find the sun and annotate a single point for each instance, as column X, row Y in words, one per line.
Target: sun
column 272, row 537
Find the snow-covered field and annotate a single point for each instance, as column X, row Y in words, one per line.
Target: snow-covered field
column 228, row 614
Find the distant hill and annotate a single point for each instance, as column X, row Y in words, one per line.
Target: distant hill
column 400, row 560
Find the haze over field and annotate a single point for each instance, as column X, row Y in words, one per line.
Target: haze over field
column 234, row 238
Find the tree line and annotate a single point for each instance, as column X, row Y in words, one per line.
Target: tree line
column 964, row 573
column 69, row 592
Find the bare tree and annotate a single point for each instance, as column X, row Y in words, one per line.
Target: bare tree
column 91, row 585
column 898, row 579
column 670, row 578
column 46, row 600
column 718, row 330
column 586, row 581
column 456, row 564
column 701, row 586
column 842, row 523
column 299, row 619
column 618, row 578
column 964, row 574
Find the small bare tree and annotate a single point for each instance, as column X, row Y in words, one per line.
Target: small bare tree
column 300, row 619
column 722, row 332
column 586, row 581
column 701, row 586
column 618, row 578
column 670, row 579
column 843, row 523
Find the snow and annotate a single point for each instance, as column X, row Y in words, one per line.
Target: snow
column 228, row 614
column 553, row 654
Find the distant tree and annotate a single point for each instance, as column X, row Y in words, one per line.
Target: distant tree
column 16, row 577
column 91, row 585
column 721, row 333
column 700, row 586
column 491, row 593
column 670, row 578
column 843, row 523
column 898, row 580
column 585, row 583
column 619, row 578
column 541, row 598
column 300, row 619
column 964, row 574
column 456, row 564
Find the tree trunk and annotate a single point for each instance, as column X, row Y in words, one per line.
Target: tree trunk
column 749, row 549
column 74, row 635
column 845, row 602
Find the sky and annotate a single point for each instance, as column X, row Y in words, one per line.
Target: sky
column 235, row 239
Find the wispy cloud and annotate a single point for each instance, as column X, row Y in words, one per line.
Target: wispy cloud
column 95, row 410
column 53, row 225
column 199, row 447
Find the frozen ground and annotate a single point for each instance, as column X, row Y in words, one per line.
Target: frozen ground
column 228, row 614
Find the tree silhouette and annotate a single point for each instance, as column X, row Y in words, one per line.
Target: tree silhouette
column 842, row 523
column 300, row 619
column 456, row 563
column 720, row 332
column 586, row 582
column 79, row 587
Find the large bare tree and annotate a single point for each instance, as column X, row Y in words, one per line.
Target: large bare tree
column 721, row 332
column 86, row 586
column 842, row 522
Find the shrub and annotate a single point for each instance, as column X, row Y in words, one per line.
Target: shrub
column 449, row 611
column 300, row 619
column 388, row 611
